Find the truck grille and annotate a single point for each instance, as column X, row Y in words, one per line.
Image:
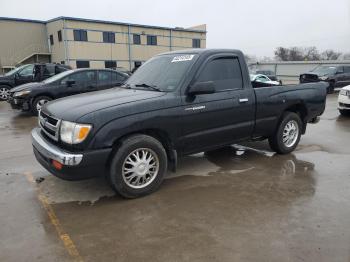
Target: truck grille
column 49, row 125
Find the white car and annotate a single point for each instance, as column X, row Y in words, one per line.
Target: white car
column 263, row 79
column 344, row 100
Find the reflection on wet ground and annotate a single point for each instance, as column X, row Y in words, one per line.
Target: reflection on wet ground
column 239, row 203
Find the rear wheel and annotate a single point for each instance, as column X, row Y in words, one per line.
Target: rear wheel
column 138, row 167
column 4, row 92
column 38, row 103
column 287, row 135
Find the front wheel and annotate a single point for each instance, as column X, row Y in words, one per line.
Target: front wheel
column 287, row 135
column 138, row 167
column 38, row 104
column 4, row 93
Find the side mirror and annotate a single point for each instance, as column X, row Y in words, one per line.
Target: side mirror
column 201, row 88
column 70, row 83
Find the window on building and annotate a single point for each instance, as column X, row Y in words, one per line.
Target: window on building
column 196, row 43
column 63, row 62
column 59, row 35
column 151, row 40
column 111, row 64
column 80, row 35
column 137, row 64
column 108, row 37
column 51, row 39
column 83, row 64
column 137, row 39
column 225, row 72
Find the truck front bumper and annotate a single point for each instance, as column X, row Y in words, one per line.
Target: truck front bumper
column 72, row 166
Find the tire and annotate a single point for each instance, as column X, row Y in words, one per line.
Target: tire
column 330, row 89
column 292, row 122
column 38, row 103
column 344, row 112
column 4, row 92
column 123, row 180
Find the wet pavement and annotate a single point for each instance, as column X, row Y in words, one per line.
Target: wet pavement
column 242, row 203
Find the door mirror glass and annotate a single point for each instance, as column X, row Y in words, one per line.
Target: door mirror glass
column 201, row 88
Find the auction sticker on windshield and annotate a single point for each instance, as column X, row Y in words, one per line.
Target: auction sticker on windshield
column 182, row 58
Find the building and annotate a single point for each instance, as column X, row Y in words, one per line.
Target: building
column 90, row 43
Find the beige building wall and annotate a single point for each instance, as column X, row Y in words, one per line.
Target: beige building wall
column 58, row 48
column 21, row 39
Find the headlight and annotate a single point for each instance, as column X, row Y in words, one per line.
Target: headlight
column 21, row 93
column 344, row 92
column 323, row 78
column 73, row 133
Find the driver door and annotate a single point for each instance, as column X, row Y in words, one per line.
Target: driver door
column 220, row 118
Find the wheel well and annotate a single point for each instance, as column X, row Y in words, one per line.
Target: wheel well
column 301, row 110
column 35, row 97
column 9, row 86
column 158, row 134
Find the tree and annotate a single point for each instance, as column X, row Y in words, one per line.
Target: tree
column 282, row 54
column 296, row 54
column 311, row 54
column 330, row 55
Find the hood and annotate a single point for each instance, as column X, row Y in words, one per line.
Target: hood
column 5, row 78
column 28, row 86
column 73, row 107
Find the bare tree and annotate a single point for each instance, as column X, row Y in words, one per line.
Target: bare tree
column 311, row 54
column 296, row 54
column 330, row 55
column 282, row 54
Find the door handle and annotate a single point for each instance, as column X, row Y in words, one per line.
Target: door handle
column 243, row 100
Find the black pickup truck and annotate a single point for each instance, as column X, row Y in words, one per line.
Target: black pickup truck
column 28, row 74
column 175, row 104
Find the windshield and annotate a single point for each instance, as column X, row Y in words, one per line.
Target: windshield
column 57, row 77
column 162, row 72
column 323, row 70
column 13, row 71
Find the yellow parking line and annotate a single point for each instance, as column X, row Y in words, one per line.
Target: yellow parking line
column 65, row 238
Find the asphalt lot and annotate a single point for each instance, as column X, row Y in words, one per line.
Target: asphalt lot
column 239, row 204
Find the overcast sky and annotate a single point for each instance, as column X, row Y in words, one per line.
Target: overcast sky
column 254, row 26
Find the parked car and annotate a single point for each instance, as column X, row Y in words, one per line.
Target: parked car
column 177, row 103
column 27, row 74
column 269, row 73
column 262, row 81
column 32, row 96
column 124, row 70
column 334, row 75
column 344, row 101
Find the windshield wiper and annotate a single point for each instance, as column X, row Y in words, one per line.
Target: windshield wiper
column 154, row 88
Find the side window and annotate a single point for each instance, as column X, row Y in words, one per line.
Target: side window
column 81, row 77
column 104, row 76
column 120, row 77
column 27, row 71
column 340, row 70
column 49, row 70
column 225, row 72
column 346, row 69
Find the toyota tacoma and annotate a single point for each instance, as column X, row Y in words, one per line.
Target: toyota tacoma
column 176, row 104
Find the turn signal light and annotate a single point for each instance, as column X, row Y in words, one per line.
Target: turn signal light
column 57, row 165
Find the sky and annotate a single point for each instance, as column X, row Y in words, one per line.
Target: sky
column 256, row 27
